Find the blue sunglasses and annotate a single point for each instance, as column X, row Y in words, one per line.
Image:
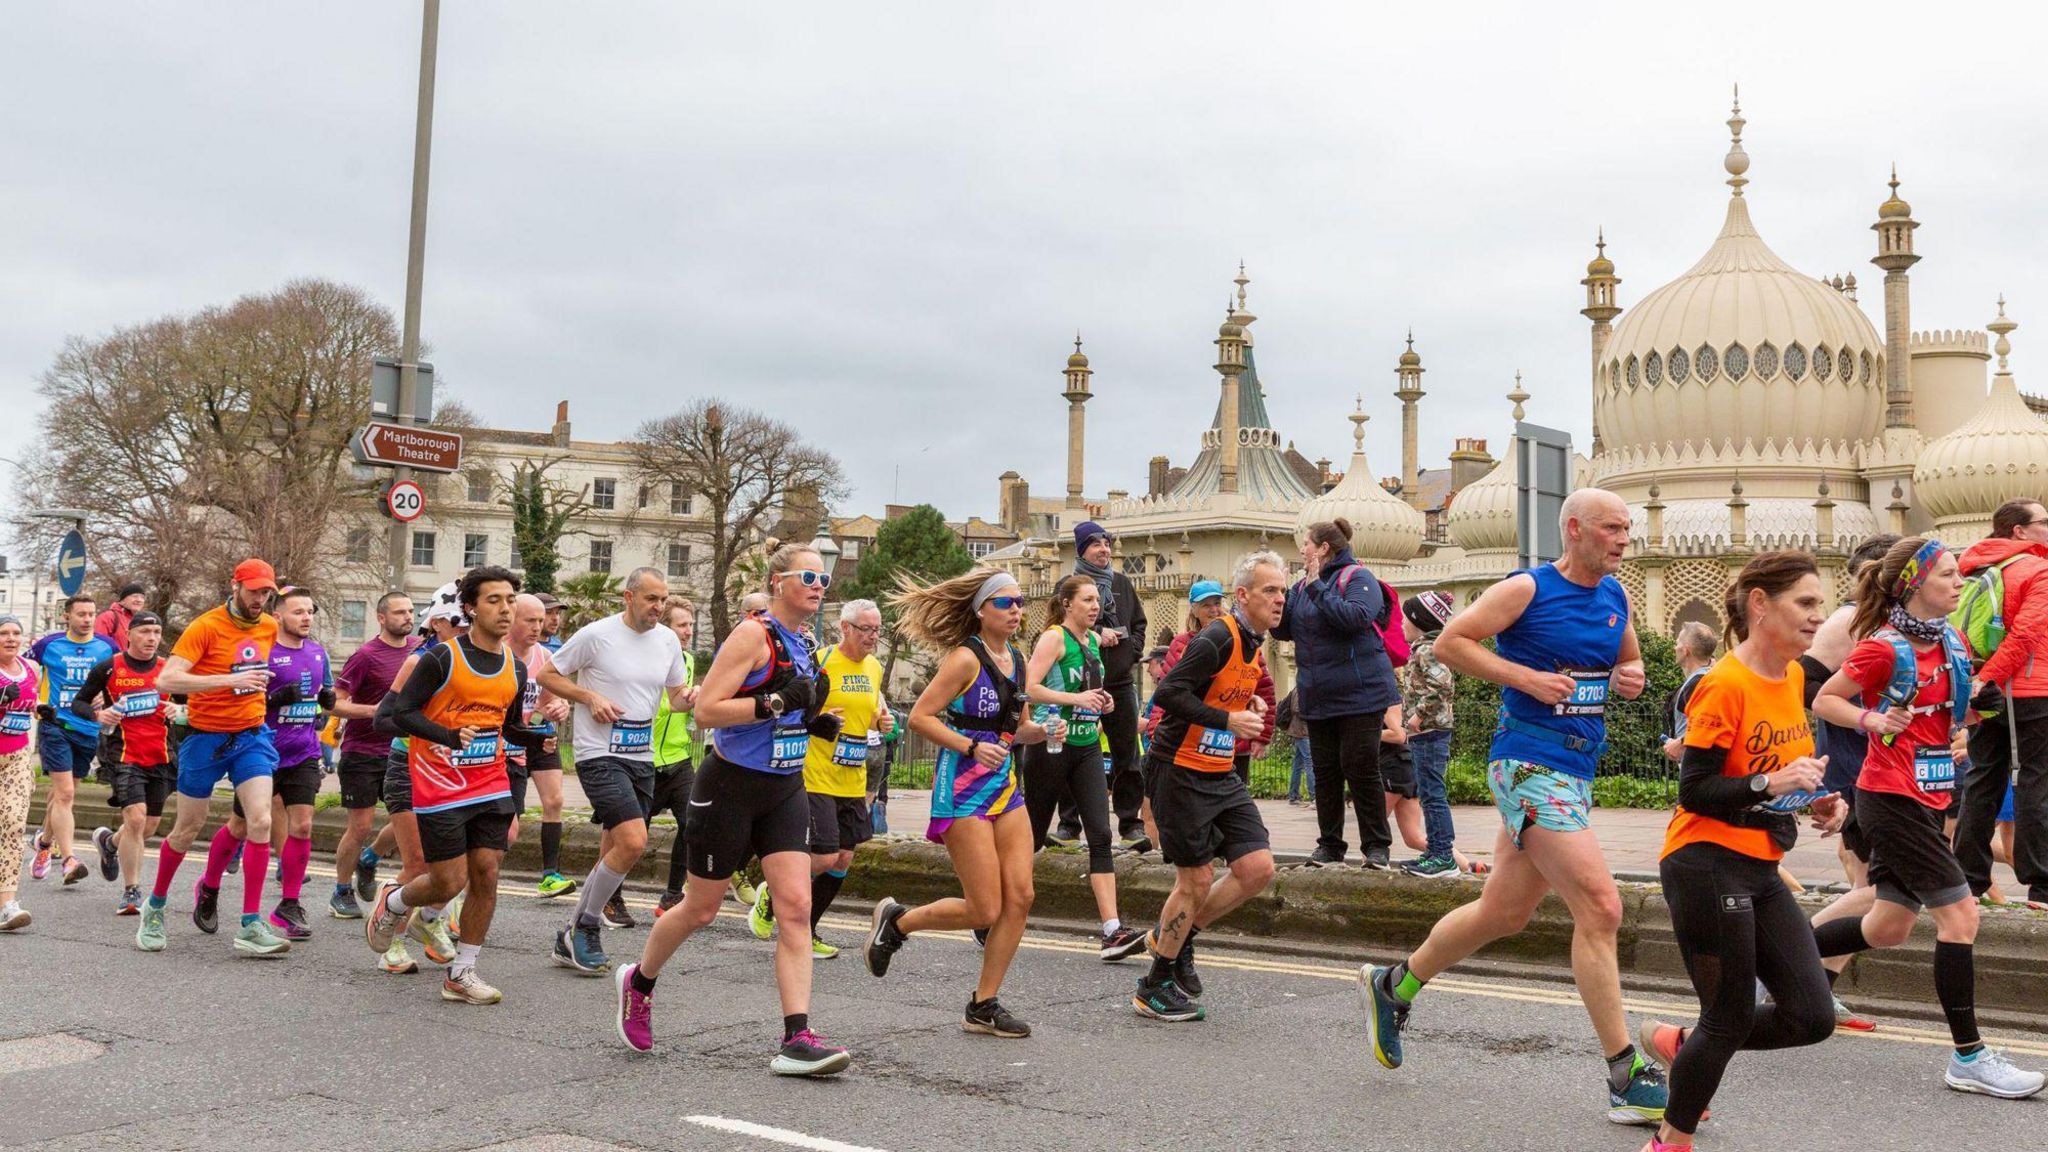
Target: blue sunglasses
column 1006, row 602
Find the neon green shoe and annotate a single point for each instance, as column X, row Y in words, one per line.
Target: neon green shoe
column 453, row 917
column 554, row 884
column 822, row 950
column 741, row 890
column 432, row 937
column 150, row 936
column 762, row 918
column 259, row 940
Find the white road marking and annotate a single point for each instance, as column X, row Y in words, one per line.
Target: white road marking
column 779, row 1135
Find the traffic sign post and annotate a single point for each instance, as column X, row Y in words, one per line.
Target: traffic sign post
column 404, row 501
column 398, row 446
column 71, row 563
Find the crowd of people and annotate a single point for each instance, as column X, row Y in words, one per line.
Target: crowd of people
column 1912, row 724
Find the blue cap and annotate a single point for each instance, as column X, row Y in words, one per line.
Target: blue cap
column 1203, row 590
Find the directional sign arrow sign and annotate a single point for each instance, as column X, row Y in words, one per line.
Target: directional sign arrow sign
column 71, row 563
column 393, row 445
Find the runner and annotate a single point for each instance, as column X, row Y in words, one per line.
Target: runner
column 1064, row 680
column 674, row 753
column 973, row 710
column 221, row 664
column 1204, row 810
column 461, row 706
column 623, row 664
column 547, row 774
column 67, row 741
column 121, row 693
column 742, row 891
column 759, row 698
column 536, row 714
column 364, row 680
column 1906, row 684
column 428, row 926
column 18, row 683
column 1565, row 641
column 113, row 623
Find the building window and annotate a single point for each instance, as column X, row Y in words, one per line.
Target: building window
column 423, row 549
column 1134, row 565
column 600, row 556
column 515, row 563
column 678, row 499
column 360, row 542
column 645, row 493
column 353, row 615
column 678, row 561
column 480, row 487
column 849, row 549
column 980, row 548
column 476, row 549
column 604, row 494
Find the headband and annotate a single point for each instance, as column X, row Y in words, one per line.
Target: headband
column 1916, row 571
column 996, row 582
column 10, row 618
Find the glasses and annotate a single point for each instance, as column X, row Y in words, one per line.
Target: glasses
column 863, row 629
column 811, row 579
column 1006, row 602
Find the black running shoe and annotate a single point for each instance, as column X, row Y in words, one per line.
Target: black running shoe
column 615, row 914
column 989, row 1018
column 289, row 918
column 205, row 908
column 366, row 876
column 981, row 937
column 1121, row 943
column 883, row 938
column 110, row 859
column 1163, row 1000
column 1184, row 969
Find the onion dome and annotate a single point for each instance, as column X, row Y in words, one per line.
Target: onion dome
column 1383, row 526
column 1894, row 208
column 1600, row 265
column 1079, row 359
column 1999, row 454
column 1482, row 515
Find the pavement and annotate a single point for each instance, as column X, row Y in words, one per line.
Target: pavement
column 105, row 1048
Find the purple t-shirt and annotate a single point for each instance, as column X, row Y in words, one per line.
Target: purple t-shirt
column 367, row 679
column 295, row 727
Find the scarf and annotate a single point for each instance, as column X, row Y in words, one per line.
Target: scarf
column 1104, row 584
column 241, row 620
column 1911, row 626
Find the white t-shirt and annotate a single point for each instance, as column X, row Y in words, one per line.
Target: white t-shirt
column 630, row 669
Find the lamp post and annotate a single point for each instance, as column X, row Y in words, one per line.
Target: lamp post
column 828, row 551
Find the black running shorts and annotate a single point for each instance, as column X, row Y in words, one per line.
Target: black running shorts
column 148, row 786
column 737, row 812
column 839, row 823
column 620, row 790
column 454, row 832
column 362, row 779
column 295, row 784
column 671, row 794
column 1203, row 815
column 1911, row 863
column 397, row 782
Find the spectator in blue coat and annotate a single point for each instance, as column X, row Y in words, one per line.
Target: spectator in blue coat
column 1345, row 684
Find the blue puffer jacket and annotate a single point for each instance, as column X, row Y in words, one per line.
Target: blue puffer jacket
column 1340, row 662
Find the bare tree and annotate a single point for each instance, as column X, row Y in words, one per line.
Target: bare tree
column 744, row 466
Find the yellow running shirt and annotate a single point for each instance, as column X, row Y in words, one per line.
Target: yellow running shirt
column 840, row 768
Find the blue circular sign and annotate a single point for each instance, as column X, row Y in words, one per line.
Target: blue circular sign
column 71, row 563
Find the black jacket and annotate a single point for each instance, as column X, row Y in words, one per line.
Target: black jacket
column 1119, row 662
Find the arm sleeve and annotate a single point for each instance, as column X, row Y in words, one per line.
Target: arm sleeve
column 1817, row 674
column 1180, row 693
column 95, row 685
column 399, row 713
column 1703, row 790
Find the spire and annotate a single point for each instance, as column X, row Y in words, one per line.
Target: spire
column 1358, row 419
column 1737, row 161
column 1076, row 394
column 2003, row 328
column 1518, row 397
column 1240, row 311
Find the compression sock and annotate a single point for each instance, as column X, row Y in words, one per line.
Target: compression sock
column 1955, row 985
column 794, row 1023
column 642, row 982
column 298, row 854
column 1406, row 986
column 465, row 959
column 255, row 870
column 1841, row 937
column 551, row 846
column 218, row 853
column 167, row 861
column 598, row 890
column 1621, row 1068
column 824, row 890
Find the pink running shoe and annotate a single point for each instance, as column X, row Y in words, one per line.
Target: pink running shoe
column 635, row 1011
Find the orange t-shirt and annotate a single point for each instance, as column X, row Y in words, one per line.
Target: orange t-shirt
column 1762, row 723
column 216, row 645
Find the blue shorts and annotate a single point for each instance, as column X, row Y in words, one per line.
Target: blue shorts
column 65, row 749
column 2005, row 813
column 1528, row 793
column 205, row 757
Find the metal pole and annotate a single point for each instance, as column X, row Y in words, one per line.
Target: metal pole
column 415, row 268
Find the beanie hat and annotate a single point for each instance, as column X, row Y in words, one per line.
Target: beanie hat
column 1085, row 533
column 1429, row 611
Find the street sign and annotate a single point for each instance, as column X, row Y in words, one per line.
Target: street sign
column 404, row 501
column 71, row 563
column 1543, row 478
column 384, row 391
column 397, row 446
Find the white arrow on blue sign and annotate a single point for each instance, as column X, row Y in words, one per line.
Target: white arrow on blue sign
column 71, row 563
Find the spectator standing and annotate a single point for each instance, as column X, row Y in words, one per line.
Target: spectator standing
column 1121, row 633
column 2013, row 745
column 1428, row 689
column 1304, row 767
column 113, row 623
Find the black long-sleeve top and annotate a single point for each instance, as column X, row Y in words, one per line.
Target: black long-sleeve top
column 401, row 713
column 1182, row 695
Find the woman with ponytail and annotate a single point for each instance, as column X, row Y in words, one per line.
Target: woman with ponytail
column 1906, row 685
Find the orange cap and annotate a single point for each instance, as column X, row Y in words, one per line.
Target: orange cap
column 253, row 573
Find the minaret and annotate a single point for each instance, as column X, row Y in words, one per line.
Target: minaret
column 1077, row 394
column 1601, row 309
column 1410, row 391
column 1894, row 230
column 1230, row 344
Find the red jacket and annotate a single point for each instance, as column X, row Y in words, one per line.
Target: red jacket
column 1178, row 645
column 2021, row 662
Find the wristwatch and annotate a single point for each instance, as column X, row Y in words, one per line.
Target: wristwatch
column 1760, row 783
column 775, row 705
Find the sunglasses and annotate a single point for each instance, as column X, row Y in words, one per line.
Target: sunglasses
column 1006, row 602
column 811, row 579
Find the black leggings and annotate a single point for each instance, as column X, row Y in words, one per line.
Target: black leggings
column 1075, row 770
column 1737, row 924
column 1346, row 751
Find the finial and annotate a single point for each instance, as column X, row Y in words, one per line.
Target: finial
column 1600, row 240
column 1411, row 338
column 1077, row 339
column 2002, row 326
column 1358, row 419
column 1241, row 281
column 1656, row 491
column 1895, row 178
column 1518, row 397
column 1737, row 161
column 1735, row 489
column 1824, row 486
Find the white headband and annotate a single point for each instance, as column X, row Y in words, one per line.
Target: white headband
column 996, row 582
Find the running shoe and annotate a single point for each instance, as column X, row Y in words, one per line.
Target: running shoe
column 762, row 917
column 742, row 892
column 553, row 884
column 289, row 918
column 1376, row 859
column 131, row 902
column 150, row 935
column 432, row 937
column 580, row 948
column 397, row 960
column 1660, row 1042
column 883, row 938
column 1847, row 1017
column 981, row 937
column 1642, row 1102
column 1121, row 943
column 633, row 1013
column 40, row 866
column 469, row 988
column 342, row 905
column 1431, row 867
column 1163, row 1000
column 1064, row 836
column 366, row 875
column 822, row 950
column 205, row 908
column 1184, row 973
column 1322, row 856
column 453, row 916
column 615, row 914
column 1990, row 1073
column 383, row 924
column 13, row 917
column 258, row 940
column 110, row 856
column 1137, row 842
column 989, row 1018
column 668, row 900
column 75, row 870
column 1386, row 1014
column 809, row 1054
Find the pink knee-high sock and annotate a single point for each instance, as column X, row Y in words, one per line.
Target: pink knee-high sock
column 167, row 861
column 298, row 854
column 255, row 870
column 217, row 856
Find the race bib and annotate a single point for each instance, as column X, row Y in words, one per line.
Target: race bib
column 248, row 666
column 1934, row 770
column 536, row 720
column 299, row 712
column 137, row 704
column 789, row 748
column 1589, row 693
column 15, row 723
column 1218, row 742
column 850, row 751
column 66, row 693
column 1792, row 801
column 481, row 751
column 632, row 737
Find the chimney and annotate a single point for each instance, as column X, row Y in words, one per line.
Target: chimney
column 1155, row 476
column 562, row 424
column 1469, row 461
column 1017, row 506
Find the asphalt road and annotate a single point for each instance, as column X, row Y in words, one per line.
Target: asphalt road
column 103, row 1047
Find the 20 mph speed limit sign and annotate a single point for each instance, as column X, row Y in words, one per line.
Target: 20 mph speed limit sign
column 404, row 502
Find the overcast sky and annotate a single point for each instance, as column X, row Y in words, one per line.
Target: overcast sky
column 884, row 222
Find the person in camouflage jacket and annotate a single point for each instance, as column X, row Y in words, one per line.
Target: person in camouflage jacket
column 1427, row 691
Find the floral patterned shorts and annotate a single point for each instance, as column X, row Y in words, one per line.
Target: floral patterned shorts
column 1528, row 793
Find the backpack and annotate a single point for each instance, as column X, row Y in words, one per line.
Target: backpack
column 1905, row 682
column 1392, row 638
column 1980, row 614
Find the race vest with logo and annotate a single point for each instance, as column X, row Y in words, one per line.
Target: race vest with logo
column 779, row 744
column 1574, row 630
column 1077, row 670
column 20, row 716
column 839, row 767
column 144, row 736
column 66, row 665
column 444, row 777
column 1232, row 689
